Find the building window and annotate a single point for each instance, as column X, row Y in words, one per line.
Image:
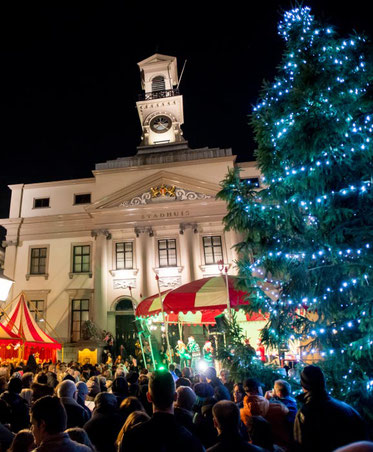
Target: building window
column 167, row 253
column 158, row 83
column 212, row 249
column 36, row 308
column 84, row 198
column 81, row 258
column 41, row 203
column 79, row 314
column 124, row 255
column 38, row 263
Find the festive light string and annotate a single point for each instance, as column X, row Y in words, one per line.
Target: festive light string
column 291, row 173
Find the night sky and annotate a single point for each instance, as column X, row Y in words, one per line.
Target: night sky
column 69, row 77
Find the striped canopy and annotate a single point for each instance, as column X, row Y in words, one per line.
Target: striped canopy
column 205, row 297
column 7, row 336
column 21, row 321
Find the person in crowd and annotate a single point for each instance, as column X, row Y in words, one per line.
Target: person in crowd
column 225, row 379
column 171, row 369
column 40, row 387
column 161, row 432
column 120, row 389
column 135, row 418
column 187, row 372
column 238, row 394
column 133, row 383
column 226, row 416
column 183, row 406
column 81, row 396
column 182, row 381
column 93, row 385
column 6, row 436
column 204, row 423
column 324, row 423
column 128, row 406
column 359, row 446
column 76, row 414
column 220, row 391
column 49, row 430
column 22, row 442
column 254, row 405
column 203, row 391
column 80, row 436
column 18, row 406
column 282, row 393
column 105, row 424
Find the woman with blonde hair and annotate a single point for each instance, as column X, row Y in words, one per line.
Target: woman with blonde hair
column 135, row 418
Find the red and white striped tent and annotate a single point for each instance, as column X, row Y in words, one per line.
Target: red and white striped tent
column 197, row 302
column 34, row 340
column 8, row 340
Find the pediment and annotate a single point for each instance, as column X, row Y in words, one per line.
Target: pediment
column 156, row 58
column 160, row 187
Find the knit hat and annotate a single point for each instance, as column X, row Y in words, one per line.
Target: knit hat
column 312, row 379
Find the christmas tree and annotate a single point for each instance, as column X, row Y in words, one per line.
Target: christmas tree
column 307, row 255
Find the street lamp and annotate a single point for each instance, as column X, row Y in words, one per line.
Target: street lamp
column 222, row 267
column 5, row 285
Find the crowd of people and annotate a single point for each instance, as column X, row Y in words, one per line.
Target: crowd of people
column 60, row 407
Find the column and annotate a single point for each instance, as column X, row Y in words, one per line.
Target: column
column 100, row 278
column 142, row 262
column 187, row 246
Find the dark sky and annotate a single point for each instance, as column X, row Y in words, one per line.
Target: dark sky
column 69, row 77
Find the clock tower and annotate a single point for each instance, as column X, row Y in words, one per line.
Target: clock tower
column 160, row 106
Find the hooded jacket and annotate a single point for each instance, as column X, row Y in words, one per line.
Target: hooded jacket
column 325, row 424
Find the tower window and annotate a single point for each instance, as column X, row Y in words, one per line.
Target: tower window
column 158, row 83
column 39, row 203
column 84, row 198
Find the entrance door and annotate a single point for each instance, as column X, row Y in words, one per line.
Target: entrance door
column 125, row 334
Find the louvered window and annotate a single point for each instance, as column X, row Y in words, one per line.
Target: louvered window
column 158, row 83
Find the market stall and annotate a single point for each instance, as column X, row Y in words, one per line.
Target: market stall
column 33, row 339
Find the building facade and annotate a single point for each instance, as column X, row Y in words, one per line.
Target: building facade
column 90, row 249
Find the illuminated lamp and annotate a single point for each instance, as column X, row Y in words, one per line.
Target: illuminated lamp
column 5, row 285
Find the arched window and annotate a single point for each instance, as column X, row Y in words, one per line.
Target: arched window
column 124, row 305
column 158, row 83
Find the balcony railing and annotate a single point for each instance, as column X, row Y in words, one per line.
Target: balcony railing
column 159, row 94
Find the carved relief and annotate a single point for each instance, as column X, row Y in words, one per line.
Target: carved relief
column 164, row 193
column 124, row 283
column 170, row 282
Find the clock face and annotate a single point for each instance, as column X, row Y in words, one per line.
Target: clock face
column 160, row 124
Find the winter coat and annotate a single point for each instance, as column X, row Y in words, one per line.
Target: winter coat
column 325, row 424
column 76, row 415
column 274, row 413
column 61, row 442
column 20, row 417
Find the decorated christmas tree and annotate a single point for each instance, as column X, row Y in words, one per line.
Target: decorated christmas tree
column 307, row 255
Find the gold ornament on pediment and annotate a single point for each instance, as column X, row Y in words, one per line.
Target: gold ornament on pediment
column 163, row 191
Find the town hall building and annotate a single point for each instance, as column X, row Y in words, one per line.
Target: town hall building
column 90, row 249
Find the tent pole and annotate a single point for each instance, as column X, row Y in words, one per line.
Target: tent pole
column 164, row 321
column 11, row 301
column 142, row 350
column 151, row 351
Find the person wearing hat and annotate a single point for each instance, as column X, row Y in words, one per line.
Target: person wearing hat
column 324, row 423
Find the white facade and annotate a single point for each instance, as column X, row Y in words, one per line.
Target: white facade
column 69, row 249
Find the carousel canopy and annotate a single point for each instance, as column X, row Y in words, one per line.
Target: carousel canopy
column 7, row 336
column 205, row 298
column 21, row 321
